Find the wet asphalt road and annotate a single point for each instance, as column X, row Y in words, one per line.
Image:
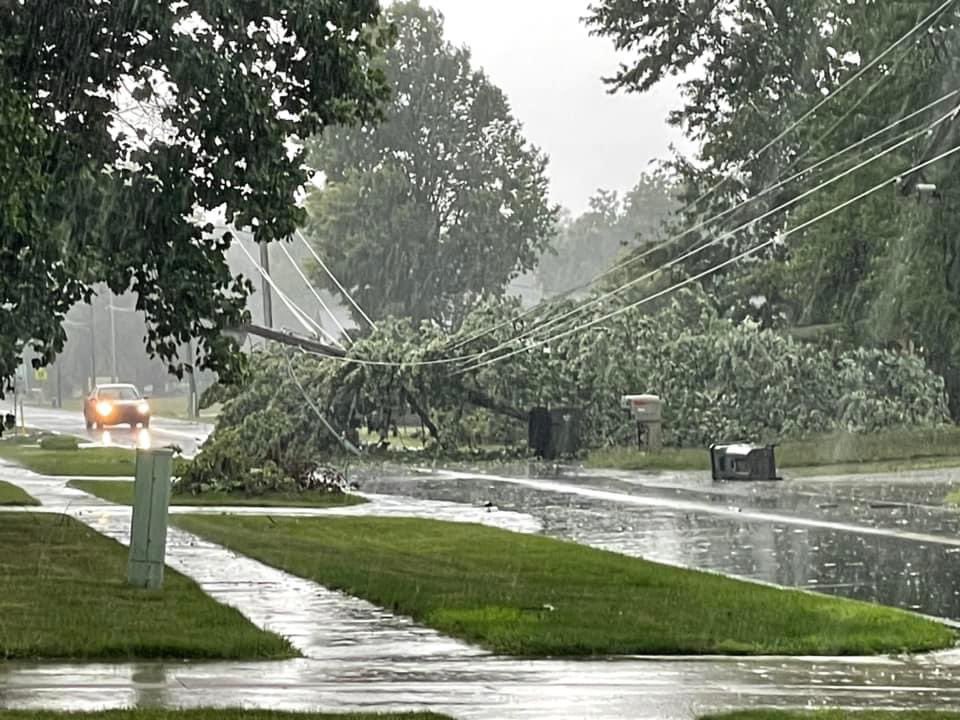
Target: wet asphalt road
column 163, row 432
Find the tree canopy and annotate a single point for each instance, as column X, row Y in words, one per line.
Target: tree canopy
column 881, row 273
column 442, row 203
column 123, row 123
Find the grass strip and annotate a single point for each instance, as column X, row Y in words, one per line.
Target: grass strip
column 874, row 452
column 833, row 715
column 530, row 595
column 121, row 493
column 210, row 714
column 12, row 495
column 98, row 461
column 63, row 595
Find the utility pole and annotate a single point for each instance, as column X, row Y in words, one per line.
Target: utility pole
column 59, row 385
column 191, row 371
column 113, row 338
column 25, row 359
column 93, row 346
column 265, row 284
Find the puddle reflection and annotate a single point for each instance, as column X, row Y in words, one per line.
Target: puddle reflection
column 121, row 437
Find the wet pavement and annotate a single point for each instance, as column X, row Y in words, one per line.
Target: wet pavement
column 362, row 657
column 494, row 688
column 188, row 436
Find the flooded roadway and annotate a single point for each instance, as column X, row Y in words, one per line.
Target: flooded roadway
column 358, row 656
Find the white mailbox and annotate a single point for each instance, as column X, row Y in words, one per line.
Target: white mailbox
column 647, row 410
column 644, row 408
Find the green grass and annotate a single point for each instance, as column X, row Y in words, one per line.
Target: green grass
column 218, row 714
column 121, row 493
column 59, row 442
column 839, row 453
column 177, row 409
column 666, row 459
column 63, row 595
column 831, row 715
column 406, row 439
column 12, row 495
column 530, row 595
column 879, row 467
column 86, row 461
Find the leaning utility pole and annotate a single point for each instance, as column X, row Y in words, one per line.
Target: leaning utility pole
column 265, row 284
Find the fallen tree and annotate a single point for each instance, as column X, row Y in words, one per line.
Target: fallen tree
column 294, row 410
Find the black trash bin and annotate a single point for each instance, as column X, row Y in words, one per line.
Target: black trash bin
column 554, row 433
column 538, row 431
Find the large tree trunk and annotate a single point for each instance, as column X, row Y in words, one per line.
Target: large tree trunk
column 422, row 414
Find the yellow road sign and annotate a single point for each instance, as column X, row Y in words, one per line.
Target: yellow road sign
column 40, row 374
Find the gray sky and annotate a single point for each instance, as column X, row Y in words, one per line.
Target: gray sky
column 540, row 54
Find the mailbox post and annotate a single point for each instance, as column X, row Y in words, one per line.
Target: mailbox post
column 647, row 410
column 148, row 530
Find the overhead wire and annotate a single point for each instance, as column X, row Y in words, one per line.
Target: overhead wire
column 340, row 287
column 710, row 221
column 477, row 356
column 754, row 156
column 715, row 268
column 320, row 300
column 725, row 236
column 853, row 78
column 299, row 314
column 943, row 6
column 344, row 442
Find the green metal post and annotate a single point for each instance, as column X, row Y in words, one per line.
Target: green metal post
column 148, row 531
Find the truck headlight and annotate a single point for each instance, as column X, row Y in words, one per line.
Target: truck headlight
column 104, row 408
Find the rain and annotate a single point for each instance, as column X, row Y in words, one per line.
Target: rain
column 490, row 360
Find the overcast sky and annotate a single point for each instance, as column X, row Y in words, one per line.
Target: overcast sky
column 540, row 54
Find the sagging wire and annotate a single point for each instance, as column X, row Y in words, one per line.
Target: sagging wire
column 316, row 294
column 340, row 287
column 715, row 241
column 716, row 268
column 754, row 156
column 341, row 438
